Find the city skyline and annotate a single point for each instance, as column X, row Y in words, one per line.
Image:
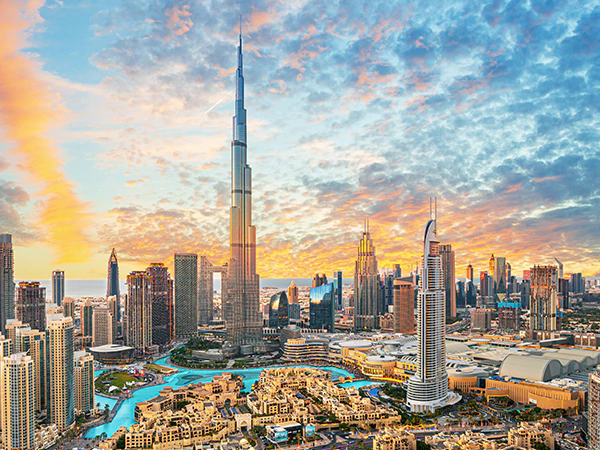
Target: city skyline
column 401, row 82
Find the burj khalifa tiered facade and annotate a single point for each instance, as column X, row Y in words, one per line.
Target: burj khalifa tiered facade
column 241, row 299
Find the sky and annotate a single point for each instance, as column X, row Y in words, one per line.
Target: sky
column 115, row 130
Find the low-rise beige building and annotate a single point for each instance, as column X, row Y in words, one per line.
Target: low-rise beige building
column 527, row 435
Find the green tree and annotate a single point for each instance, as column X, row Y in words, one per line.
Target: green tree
column 541, row 446
column 421, row 445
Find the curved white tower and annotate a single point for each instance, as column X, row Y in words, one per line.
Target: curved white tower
column 242, row 303
column 428, row 388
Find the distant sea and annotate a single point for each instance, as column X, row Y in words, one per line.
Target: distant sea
column 97, row 288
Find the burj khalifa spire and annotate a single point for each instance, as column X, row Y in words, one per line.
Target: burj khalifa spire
column 241, row 299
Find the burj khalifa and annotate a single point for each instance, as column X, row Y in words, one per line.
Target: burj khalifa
column 241, row 295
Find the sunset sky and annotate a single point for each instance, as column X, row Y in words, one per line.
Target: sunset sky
column 115, row 129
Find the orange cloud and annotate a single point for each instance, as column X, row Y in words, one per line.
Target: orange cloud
column 28, row 113
column 178, row 19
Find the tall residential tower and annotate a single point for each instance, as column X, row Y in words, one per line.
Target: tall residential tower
column 7, row 280
column 242, row 303
column 428, row 387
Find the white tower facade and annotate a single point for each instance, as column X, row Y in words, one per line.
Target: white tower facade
column 17, row 388
column 428, row 387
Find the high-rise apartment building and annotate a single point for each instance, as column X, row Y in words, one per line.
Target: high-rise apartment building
column 526, row 275
column 102, row 326
column 58, row 287
column 113, row 306
column 205, row 291
column 404, row 310
column 279, row 311
column 593, row 429
column 84, row 382
column 241, row 298
column 7, row 280
column 397, row 271
column 31, row 304
column 68, row 307
column 17, row 401
column 481, row 320
column 292, row 293
column 161, row 291
column 87, row 317
column 368, row 295
column 428, row 387
column 6, row 347
column 322, row 307
column 33, row 342
column 186, row 294
column 449, row 274
column 13, row 330
column 112, row 283
column 61, row 387
column 338, row 286
column 137, row 323
column 544, row 299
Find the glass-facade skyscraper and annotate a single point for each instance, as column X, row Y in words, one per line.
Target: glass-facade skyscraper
column 7, row 280
column 186, row 294
column 279, row 311
column 368, row 295
column 31, row 304
column 58, row 287
column 112, row 285
column 322, row 307
column 241, row 296
column 338, row 284
column 161, row 292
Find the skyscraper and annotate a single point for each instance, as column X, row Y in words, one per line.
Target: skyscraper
column 404, row 310
column 449, row 274
column 205, row 291
column 470, row 273
column 84, row 382
column 161, row 292
column 319, row 280
column 33, row 342
column 428, row 387
column 292, row 293
column 17, row 401
column 500, row 276
column 242, row 303
column 61, row 387
column 7, row 280
column 13, row 330
column 6, row 347
column 102, row 326
column 112, row 285
column 593, row 431
column 137, row 323
column 322, row 307
column 69, row 307
column 492, row 266
column 58, row 287
column 186, row 294
column 368, row 295
column 338, row 285
column 544, row 299
column 31, row 304
column 279, row 311
column 87, row 314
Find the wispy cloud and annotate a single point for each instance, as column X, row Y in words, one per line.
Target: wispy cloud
column 29, row 112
